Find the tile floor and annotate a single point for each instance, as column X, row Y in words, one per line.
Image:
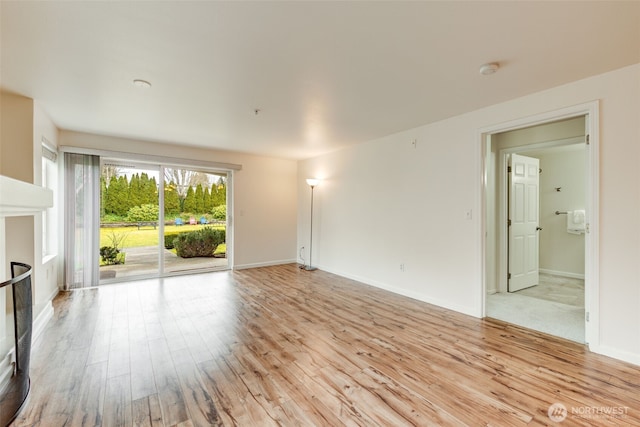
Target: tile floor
column 555, row 306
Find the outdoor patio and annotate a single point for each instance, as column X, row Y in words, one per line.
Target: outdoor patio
column 143, row 260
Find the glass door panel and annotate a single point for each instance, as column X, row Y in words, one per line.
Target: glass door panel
column 195, row 211
column 129, row 221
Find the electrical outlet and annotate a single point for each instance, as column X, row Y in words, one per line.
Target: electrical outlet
column 402, row 267
column 468, row 214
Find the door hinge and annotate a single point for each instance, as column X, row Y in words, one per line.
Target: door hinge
column 587, row 140
column 508, row 223
column 509, row 169
column 508, row 276
column 586, row 316
column 586, row 228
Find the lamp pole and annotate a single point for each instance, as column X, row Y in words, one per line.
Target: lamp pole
column 312, row 183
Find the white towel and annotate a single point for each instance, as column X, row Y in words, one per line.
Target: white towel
column 576, row 221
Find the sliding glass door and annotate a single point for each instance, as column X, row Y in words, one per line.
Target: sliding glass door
column 195, row 209
column 129, row 220
column 146, row 231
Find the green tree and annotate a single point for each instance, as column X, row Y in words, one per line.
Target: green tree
column 108, row 198
column 219, row 193
column 190, row 201
column 207, row 201
column 199, row 196
column 152, row 191
column 116, row 202
column 134, row 191
column 171, row 200
column 148, row 190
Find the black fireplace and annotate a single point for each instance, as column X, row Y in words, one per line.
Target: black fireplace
column 14, row 395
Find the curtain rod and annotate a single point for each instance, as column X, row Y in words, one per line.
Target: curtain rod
column 151, row 159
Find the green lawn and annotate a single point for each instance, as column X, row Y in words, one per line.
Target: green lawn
column 146, row 236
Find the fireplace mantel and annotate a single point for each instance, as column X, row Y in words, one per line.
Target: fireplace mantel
column 19, row 198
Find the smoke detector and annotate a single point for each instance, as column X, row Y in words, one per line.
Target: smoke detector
column 142, row 83
column 489, row 68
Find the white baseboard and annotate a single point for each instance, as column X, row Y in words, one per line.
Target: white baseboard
column 625, row 356
column 414, row 295
column 40, row 322
column 39, row 325
column 562, row 273
column 264, row 264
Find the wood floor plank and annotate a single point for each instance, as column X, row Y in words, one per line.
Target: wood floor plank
column 90, row 408
column 201, row 406
column 146, row 412
column 65, row 393
column 236, row 404
column 118, row 403
column 143, row 381
column 285, row 347
column 172, row 401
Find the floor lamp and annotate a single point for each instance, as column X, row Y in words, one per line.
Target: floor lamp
column 312, row 183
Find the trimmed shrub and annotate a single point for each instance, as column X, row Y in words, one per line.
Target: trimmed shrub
column 170, row 237
column 220, row 212
column 143, row 213
column 200, row 243
column 110, row 218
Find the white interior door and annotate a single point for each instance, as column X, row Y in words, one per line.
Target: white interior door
column 524, row 222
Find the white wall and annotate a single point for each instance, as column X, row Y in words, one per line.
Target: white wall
column 561, row 252
column 265, row 194
column 385, row 202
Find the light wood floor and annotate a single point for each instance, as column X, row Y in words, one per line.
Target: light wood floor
column 281, row 346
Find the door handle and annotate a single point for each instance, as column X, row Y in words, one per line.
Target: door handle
column 538, row 228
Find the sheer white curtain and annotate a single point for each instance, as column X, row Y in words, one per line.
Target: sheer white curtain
column 82, row 216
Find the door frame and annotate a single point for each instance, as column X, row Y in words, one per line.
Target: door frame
column 591, row 112
column 160, row 165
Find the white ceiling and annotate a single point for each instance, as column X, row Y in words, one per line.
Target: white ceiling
column 323, row 74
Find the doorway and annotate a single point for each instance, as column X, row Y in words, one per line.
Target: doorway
column 558, row 301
